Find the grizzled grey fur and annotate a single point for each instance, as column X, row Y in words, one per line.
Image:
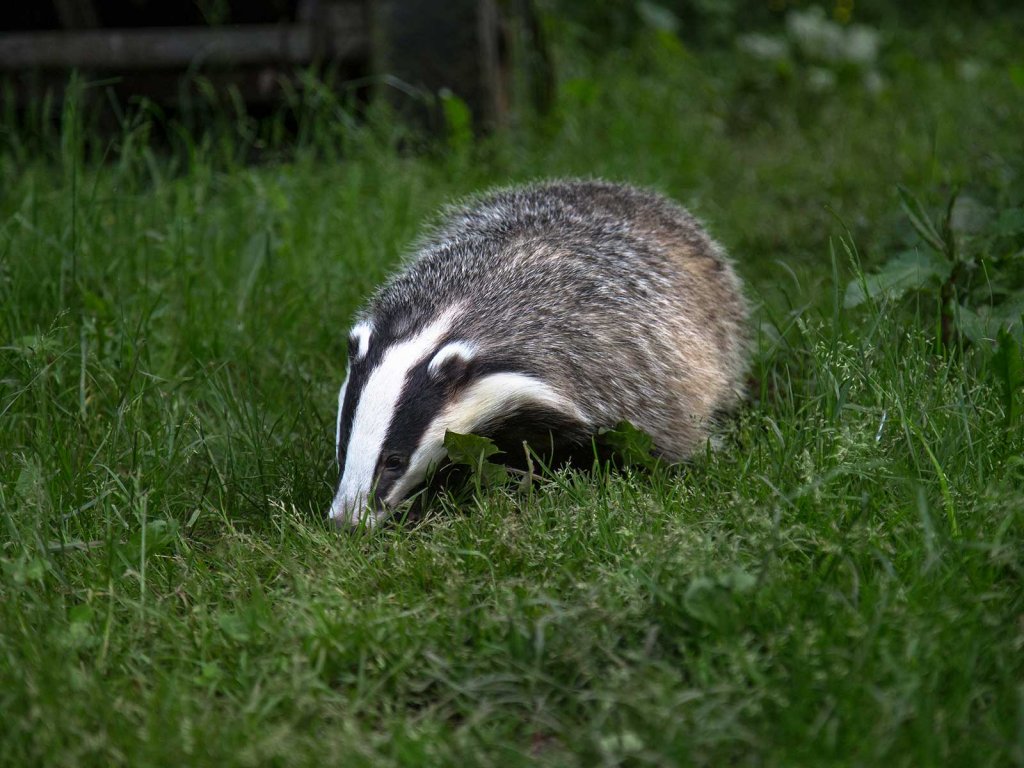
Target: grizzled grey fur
column 615, row 296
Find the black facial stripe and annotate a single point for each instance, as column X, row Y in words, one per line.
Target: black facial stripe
column 417, row 392
column 425, row 395
column 359, row 372
column 422, row 398
column 356, row 382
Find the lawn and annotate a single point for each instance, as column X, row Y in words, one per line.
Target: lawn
column 840, row 583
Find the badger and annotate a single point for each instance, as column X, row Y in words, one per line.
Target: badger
column 544, row 312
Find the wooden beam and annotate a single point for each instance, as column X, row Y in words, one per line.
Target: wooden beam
column 179, row 47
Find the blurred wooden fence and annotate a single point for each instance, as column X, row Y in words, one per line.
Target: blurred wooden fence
column 409, row 50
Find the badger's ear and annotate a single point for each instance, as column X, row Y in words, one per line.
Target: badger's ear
column 359, row 340
column 452, row 361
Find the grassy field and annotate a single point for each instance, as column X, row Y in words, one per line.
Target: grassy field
column 841, row 584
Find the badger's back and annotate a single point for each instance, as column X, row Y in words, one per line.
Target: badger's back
column 614, row 296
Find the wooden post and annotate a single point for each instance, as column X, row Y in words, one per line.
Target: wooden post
column 421, row 47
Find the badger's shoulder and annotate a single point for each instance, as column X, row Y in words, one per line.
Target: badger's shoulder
column 558, row 206
column 556, row 249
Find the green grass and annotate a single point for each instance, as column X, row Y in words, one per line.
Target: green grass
column 842, row 583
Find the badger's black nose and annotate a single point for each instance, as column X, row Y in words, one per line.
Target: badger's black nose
column 343, row 524
column 350, row 524
column 343, row 505
column 352, row 515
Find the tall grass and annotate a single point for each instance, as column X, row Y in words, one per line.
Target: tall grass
column 840, row 583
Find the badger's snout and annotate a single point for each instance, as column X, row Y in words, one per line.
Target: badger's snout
column 351, row 512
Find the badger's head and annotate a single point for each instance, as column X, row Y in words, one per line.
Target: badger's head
column 403, row 391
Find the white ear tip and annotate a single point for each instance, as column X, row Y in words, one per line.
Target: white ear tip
column 361, row 334
column 461, row 350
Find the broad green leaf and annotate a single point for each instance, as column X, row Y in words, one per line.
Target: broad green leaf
column 468, row 449
column 632, row 446
column 491, row 474
column 1017, row 75
column 473, row 451
column 984, row 324
column 974, row 325
column 1008, row 364
column 1010, row 222
column 969, row 216
column 458, row 119
column 909, row 271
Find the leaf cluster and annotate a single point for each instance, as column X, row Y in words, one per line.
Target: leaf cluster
column 969, row 259
column 971, row 263
column 624, row 445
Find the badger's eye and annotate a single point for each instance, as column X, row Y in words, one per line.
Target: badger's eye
column 394, row 462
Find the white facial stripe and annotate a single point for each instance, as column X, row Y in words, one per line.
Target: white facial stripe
column 463, row 350
column 361, row 333
column 374, row 412
column 485, row 399
column 341, row 405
